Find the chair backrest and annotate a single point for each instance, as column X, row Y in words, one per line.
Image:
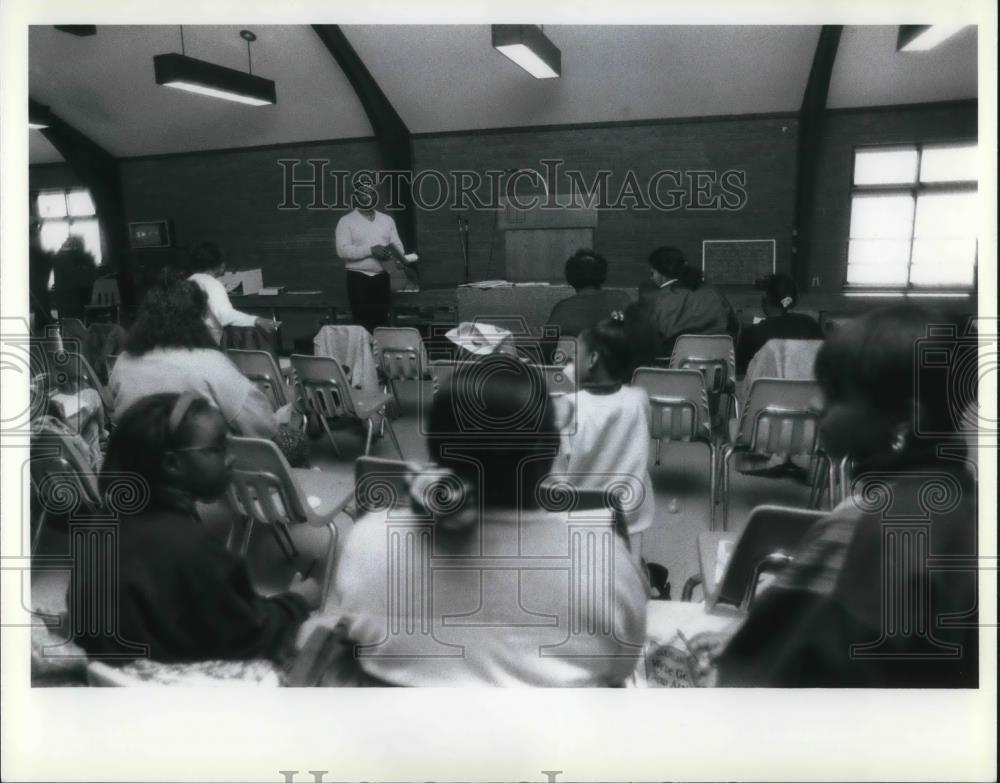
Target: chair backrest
column 711, row 354
column 781, row 416
column 401, row 353
column 261, row 368
column 323, row 386
column 105, row 292
column 263, row 486
column 771, row 531
column 678, row 403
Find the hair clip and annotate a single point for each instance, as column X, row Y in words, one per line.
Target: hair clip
column 617, row 315
column 179, row 411
column 786, row 302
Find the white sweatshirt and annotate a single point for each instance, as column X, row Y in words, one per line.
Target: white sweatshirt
column 356, row 234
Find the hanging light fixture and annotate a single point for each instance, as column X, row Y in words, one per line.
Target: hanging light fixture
column 528, row 46
column 217, row 81
column 921, row 37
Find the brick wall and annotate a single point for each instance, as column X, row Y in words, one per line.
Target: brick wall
column 762, row 147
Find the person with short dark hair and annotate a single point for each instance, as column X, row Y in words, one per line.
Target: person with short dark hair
column 207, row 266
column 681, row 303
column 366, row 240
column 780, row 323
column 586, row 271
column 492, row 436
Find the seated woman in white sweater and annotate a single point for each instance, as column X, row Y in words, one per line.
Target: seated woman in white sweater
column 474, row 582
column 169, row 349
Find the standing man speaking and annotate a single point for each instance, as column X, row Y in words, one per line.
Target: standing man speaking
column 366, row 240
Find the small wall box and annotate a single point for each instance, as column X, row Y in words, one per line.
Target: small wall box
column 150, row 234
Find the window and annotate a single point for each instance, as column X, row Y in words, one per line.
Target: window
column 913, row 217
column 68, row 212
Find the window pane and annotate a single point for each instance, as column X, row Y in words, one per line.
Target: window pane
column 943, row 262
column 80, row 203
column 51, row 205
column 881, row 216
column 954, row 163
column 879, row 262
column 885, row 166
column 947, row 215
column 53, row 234
column 91, row 233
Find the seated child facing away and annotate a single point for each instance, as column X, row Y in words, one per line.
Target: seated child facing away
column 182, row 596
column 605, row 437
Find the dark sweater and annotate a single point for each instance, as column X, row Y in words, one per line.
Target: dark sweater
column 182, row 594
column 790, row 326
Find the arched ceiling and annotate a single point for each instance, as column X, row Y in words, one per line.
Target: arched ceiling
column 449, row 78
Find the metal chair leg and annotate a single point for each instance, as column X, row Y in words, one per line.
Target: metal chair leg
column 713, row 466
column 329, row 434
column 331, row 552
column 832, row 470
column 726, row 457
column 370, row 431
column 659, row 444
column 392, row 435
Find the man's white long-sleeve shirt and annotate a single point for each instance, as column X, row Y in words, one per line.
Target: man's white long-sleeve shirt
column 356, row 234
column 221, row 312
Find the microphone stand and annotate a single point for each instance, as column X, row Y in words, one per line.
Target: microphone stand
column 463, row 230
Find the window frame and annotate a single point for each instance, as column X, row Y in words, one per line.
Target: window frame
column 70, row 219
column 915, row 190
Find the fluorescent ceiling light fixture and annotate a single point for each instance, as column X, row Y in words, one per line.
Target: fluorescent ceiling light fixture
column 527, row 45
column 38, row 117
column 921, row 37
column 204, row 78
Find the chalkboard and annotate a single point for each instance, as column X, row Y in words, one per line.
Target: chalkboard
column 737, row 261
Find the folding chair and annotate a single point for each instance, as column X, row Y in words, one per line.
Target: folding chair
column 401, row 357
column 261, row 368
column 715, row 357
column 679, row 408
column 104, row 296
column 266, row 490
column 781, row 417
column 325, row 391
column 769, row 541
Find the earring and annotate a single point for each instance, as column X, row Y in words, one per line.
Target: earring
column 899, row 442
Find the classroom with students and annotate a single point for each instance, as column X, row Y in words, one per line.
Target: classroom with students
column 586, row 356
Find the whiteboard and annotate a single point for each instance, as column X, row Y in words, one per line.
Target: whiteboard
column 738, row 261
